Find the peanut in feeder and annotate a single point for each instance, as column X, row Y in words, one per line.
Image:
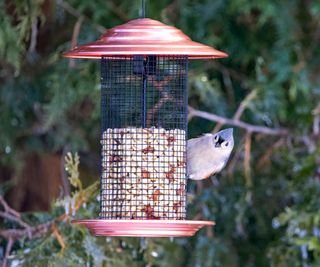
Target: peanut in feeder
column 144, row 66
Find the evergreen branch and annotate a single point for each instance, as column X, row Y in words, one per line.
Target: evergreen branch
column 71, row 166
column 80, row 197
column 12, row 235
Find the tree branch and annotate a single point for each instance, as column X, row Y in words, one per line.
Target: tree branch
column 34, row 35
column 13, row 234
column 237, row 123
column 235, row 158
column 10, row 217
column 118, row 11
column 247, row 159
column 244, row 103
column 164, row 96
column 265, row 158
column 7, row 208
column 8, row 250
column 71, row 10
column 74, row 39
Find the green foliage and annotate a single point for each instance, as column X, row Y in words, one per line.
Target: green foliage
column 48, row 104
column 72, row 167
column 69, row 245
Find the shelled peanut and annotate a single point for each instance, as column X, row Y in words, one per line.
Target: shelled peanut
column 143, row 173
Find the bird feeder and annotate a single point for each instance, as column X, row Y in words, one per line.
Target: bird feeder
column 144, row 73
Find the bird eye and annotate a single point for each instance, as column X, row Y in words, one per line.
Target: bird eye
column 225, row 144
column 216, row 138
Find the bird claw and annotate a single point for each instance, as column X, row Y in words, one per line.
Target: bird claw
column 190, row 176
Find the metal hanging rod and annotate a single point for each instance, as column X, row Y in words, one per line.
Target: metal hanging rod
column 143, row 8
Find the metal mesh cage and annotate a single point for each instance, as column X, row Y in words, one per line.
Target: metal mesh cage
column 143, row 139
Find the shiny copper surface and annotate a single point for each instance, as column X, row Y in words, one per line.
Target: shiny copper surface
column 144, row 37
column 148, row 228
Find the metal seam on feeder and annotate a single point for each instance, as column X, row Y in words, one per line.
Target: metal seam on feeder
column 144, row 66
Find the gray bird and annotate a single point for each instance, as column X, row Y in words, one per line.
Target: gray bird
column 209, row 153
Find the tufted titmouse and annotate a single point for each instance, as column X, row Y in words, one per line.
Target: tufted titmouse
column 208, row 154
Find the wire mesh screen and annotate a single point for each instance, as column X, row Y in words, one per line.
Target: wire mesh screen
column 143, row 140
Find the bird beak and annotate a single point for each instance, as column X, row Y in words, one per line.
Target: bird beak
column 226, row 134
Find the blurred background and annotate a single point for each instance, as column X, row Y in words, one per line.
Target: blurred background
column 265, row 202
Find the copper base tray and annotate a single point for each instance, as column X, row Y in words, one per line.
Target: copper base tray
column 146, row 228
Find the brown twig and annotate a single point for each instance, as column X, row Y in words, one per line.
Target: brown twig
column 217, row 127
column 266, row 156
column 14, row 234
column 244, row 104
column 32, row 231
column 8, row 250
column 236, row 75
column 228, row 84
column 11, row 235
column 35, row 231
column 71, row 10
column 171, row 9
column 161, row 84
column 164, row 96
column 316, row 121
column 247, row 159
column 237, row 123
column 34, row 34
column 8, row 209
column 235, row 158
column 118, row 11
column 10, row 217
column 74, row 39
column 155, row 109
column 316, row 124
column 11, row 214
column 58, row 236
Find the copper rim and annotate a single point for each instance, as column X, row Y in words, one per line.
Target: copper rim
column 147, row 228
column 144, row 37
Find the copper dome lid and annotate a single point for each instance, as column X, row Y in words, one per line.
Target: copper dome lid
column 144, row 37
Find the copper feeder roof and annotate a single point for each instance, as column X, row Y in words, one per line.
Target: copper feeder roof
column 144, row 37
